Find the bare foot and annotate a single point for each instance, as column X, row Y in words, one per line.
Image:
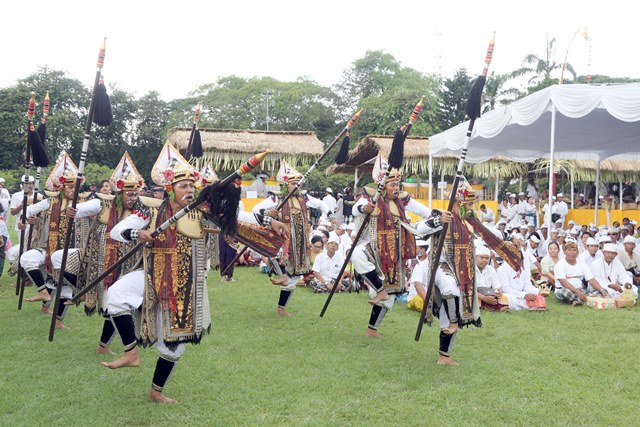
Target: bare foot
column 282, row 312
column 444, row 360
column 282, row 281
column 130, row 359
column 104, row 350
column 43, row 295
column 69, row 302
column 60, row 325
column 156, row 396
column 45, row 310
column 373, row 333
column 380, row 296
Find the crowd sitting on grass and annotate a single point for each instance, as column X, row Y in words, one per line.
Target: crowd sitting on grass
column 576, row 264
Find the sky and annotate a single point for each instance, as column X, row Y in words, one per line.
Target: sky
column 175, row 46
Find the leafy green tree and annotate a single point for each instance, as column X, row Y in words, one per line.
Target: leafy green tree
column 455, row 92
column 150, row 129
column 495, row 91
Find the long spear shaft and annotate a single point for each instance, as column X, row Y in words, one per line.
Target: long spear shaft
column 45, row 111
column 376, row 197
column 202, row 197
column 27, row 170
column 473, row 111
column 349, row 125
column 76, row 192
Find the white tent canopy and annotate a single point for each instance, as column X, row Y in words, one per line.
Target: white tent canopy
column 574, row 122
column 591, row 123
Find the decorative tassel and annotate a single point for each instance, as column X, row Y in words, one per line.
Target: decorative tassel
column 196, row 148
column 474, row 102
column 223, row 205
column 397, row 149
column 343, row 154
column 38, row 150
column 102, row 114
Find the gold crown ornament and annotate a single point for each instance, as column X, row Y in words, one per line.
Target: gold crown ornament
column 64, row 172
column 171, row 167
column 207, row 176
column 125, row 176
column 287, row 173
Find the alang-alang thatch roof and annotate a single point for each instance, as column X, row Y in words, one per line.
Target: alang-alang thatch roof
column 416, row 159
column 229, row 148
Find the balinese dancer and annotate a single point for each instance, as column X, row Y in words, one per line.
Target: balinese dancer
column 101, row 250
column 50, row 217
column 293, row 214
column 385, row 246
column 171, row 288
column 454, row 301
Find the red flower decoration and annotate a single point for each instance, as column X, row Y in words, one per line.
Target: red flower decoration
column 168, row 175
column 196, row 174
column 167, row 187
column 61, row 179
column 120, row 184
column 204, row 181
column 465, row 192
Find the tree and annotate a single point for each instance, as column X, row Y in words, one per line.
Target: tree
column 495, row 92
column 453, row 101
column 238, row 103
column 541, row 67
column 149, row 132
column 368, row 76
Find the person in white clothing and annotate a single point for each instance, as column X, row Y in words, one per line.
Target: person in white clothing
column 326, row 267
column 612, row 276
column 560, row 207
column 489, row 287
column 329, row 200
column 4, row 200
column 517, row 287
column 591, row 254
column 419, row 275
column 487, row 218
column 571, row 276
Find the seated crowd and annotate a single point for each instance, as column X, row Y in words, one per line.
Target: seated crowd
column 577, row 264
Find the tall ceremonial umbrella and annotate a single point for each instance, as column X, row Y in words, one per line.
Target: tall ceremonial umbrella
column 341, row 157
column 40, row 160
column 100, row 114
column 395, row 162
column 474, row 104
column 31, row 109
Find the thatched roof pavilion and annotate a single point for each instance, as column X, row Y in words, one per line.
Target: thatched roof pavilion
column 228, row 148
column 416, row 159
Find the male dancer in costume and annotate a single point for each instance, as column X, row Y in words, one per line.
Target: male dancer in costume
column 296, row 248
column 385, row 246
column 172, row 286
column 101, row 250
column 49, row 237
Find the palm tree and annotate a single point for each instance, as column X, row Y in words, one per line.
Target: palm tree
column 495, row 92
column 541, row 68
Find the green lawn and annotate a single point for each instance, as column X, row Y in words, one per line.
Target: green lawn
column 568, row 366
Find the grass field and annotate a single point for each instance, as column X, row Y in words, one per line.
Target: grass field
column 568, row 366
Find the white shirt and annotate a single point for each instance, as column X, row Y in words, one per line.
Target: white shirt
column 487, row 278
column 419, row 274
column 331, row 202
column 487, row 218
column 587, row 258
column 615, row 273
column 560, row 208
column 574, row 274
column 328, row 267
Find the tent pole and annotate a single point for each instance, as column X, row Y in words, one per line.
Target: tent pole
column 620, row 192
column 572, row 193
column 552, row 149
column 430, row 181
column 355, row 181
column 595, row 214
column 520, row 185
column 497, row 186
column 442, row 180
